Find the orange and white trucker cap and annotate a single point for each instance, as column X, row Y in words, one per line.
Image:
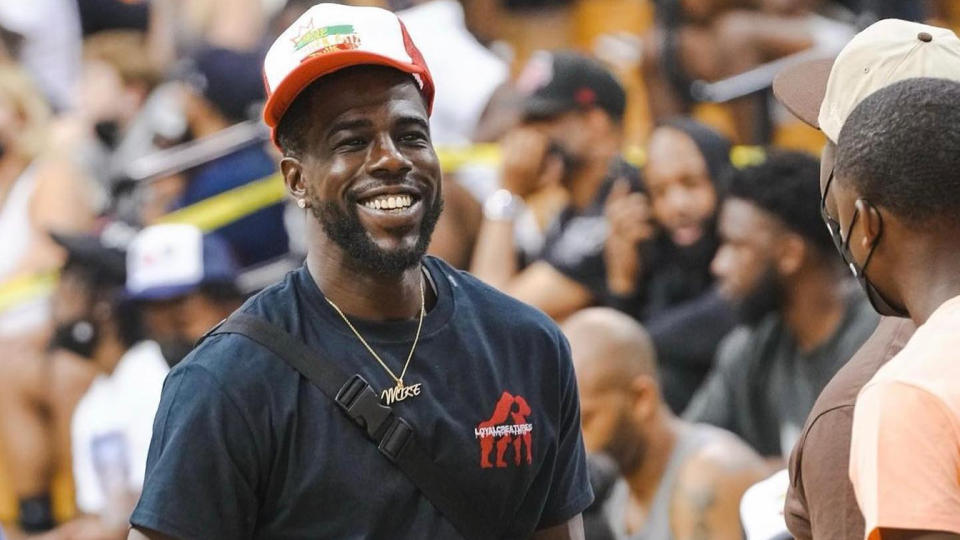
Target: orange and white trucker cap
column 330, row 37
column 823, row 93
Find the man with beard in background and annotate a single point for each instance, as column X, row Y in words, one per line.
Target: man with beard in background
column 685, row 480
column 802, row 319
column 480, row 388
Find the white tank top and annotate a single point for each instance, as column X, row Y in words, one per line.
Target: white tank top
column 15, row 223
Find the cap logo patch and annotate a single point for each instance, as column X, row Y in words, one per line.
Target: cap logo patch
column 586, row 96
column 326, row 39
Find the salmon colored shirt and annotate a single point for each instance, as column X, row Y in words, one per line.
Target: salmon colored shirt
column 905, row 448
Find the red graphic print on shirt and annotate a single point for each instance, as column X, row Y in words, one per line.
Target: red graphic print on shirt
column 508, row 426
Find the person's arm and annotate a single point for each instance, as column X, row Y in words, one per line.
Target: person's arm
column 61, row 202
column 629, row 224
column 904, row 462
column 525, row 169
column 571, row 530
column 456, row 233
column 544, row 287
column 706, row 502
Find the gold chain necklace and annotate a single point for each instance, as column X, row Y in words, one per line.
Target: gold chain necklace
column 400, row 391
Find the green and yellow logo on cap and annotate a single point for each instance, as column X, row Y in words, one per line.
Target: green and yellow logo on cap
column 338, row 37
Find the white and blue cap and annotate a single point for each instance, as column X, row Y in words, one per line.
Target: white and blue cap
column 171, row 260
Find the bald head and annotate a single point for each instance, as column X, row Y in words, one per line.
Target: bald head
column 609, row 348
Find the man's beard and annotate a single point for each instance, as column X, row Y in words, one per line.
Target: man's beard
column 344, row 228
column 628, row 448
column 765, row 298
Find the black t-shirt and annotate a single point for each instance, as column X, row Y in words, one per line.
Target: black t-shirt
column 244, row 447
column 574, row 240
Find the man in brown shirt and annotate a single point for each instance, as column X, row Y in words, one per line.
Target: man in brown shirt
column 820, row 503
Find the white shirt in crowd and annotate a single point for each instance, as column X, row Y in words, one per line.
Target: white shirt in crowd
column 112, row 425
column 464, row 72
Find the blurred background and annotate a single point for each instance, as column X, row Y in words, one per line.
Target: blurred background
column 116, row 115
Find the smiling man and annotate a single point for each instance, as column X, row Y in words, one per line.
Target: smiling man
column 480, row 387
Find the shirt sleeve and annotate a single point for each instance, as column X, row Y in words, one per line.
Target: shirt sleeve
column 904, row 462
column 575, row 249
column 202, row 467
column 570, row 492
column 821, row 504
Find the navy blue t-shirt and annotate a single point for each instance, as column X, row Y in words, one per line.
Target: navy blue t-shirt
column 245, row 447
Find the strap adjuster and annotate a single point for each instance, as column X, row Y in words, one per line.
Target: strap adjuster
column 395, row 439
column 357, row 398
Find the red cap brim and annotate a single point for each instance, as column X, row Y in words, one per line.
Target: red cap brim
column 313, row 68
column 801, row 87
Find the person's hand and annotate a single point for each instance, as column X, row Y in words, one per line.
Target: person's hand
column 527, row 164
column 629, row 223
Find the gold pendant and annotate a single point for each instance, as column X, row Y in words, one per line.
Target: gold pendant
column 399, row 393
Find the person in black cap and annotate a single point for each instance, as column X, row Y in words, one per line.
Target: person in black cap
column 570, row 138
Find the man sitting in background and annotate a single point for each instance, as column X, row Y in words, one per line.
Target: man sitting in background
column 803, row 321
column 570, row 138
column 685, row 480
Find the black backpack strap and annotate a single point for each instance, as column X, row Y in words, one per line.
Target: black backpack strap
column 393, row 435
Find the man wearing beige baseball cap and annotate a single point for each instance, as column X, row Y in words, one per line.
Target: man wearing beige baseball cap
column 821, row 502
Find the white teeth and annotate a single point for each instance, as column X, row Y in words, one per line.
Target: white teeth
column 389, row 202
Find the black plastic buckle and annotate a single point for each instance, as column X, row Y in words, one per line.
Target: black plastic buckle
column 361, row 403
column 395, row 438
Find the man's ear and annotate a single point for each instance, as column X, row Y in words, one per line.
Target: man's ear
column 646, row 396
column 792, row 251
column 871, row 222
column 292, row 170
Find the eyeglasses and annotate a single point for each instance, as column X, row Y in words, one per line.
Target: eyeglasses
column 833, row 226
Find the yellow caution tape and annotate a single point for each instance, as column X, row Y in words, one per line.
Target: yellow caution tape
column 488, row 154
column 745, row 156
column 231, row 205
column 27, row 288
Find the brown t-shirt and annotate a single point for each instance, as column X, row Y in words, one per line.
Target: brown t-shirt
column 820, row 502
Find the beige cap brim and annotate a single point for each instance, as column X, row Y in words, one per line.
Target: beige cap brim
column 801, row 88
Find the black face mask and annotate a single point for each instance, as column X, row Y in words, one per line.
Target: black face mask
column 175, row 349
column 876, row 298
column 79, row 336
